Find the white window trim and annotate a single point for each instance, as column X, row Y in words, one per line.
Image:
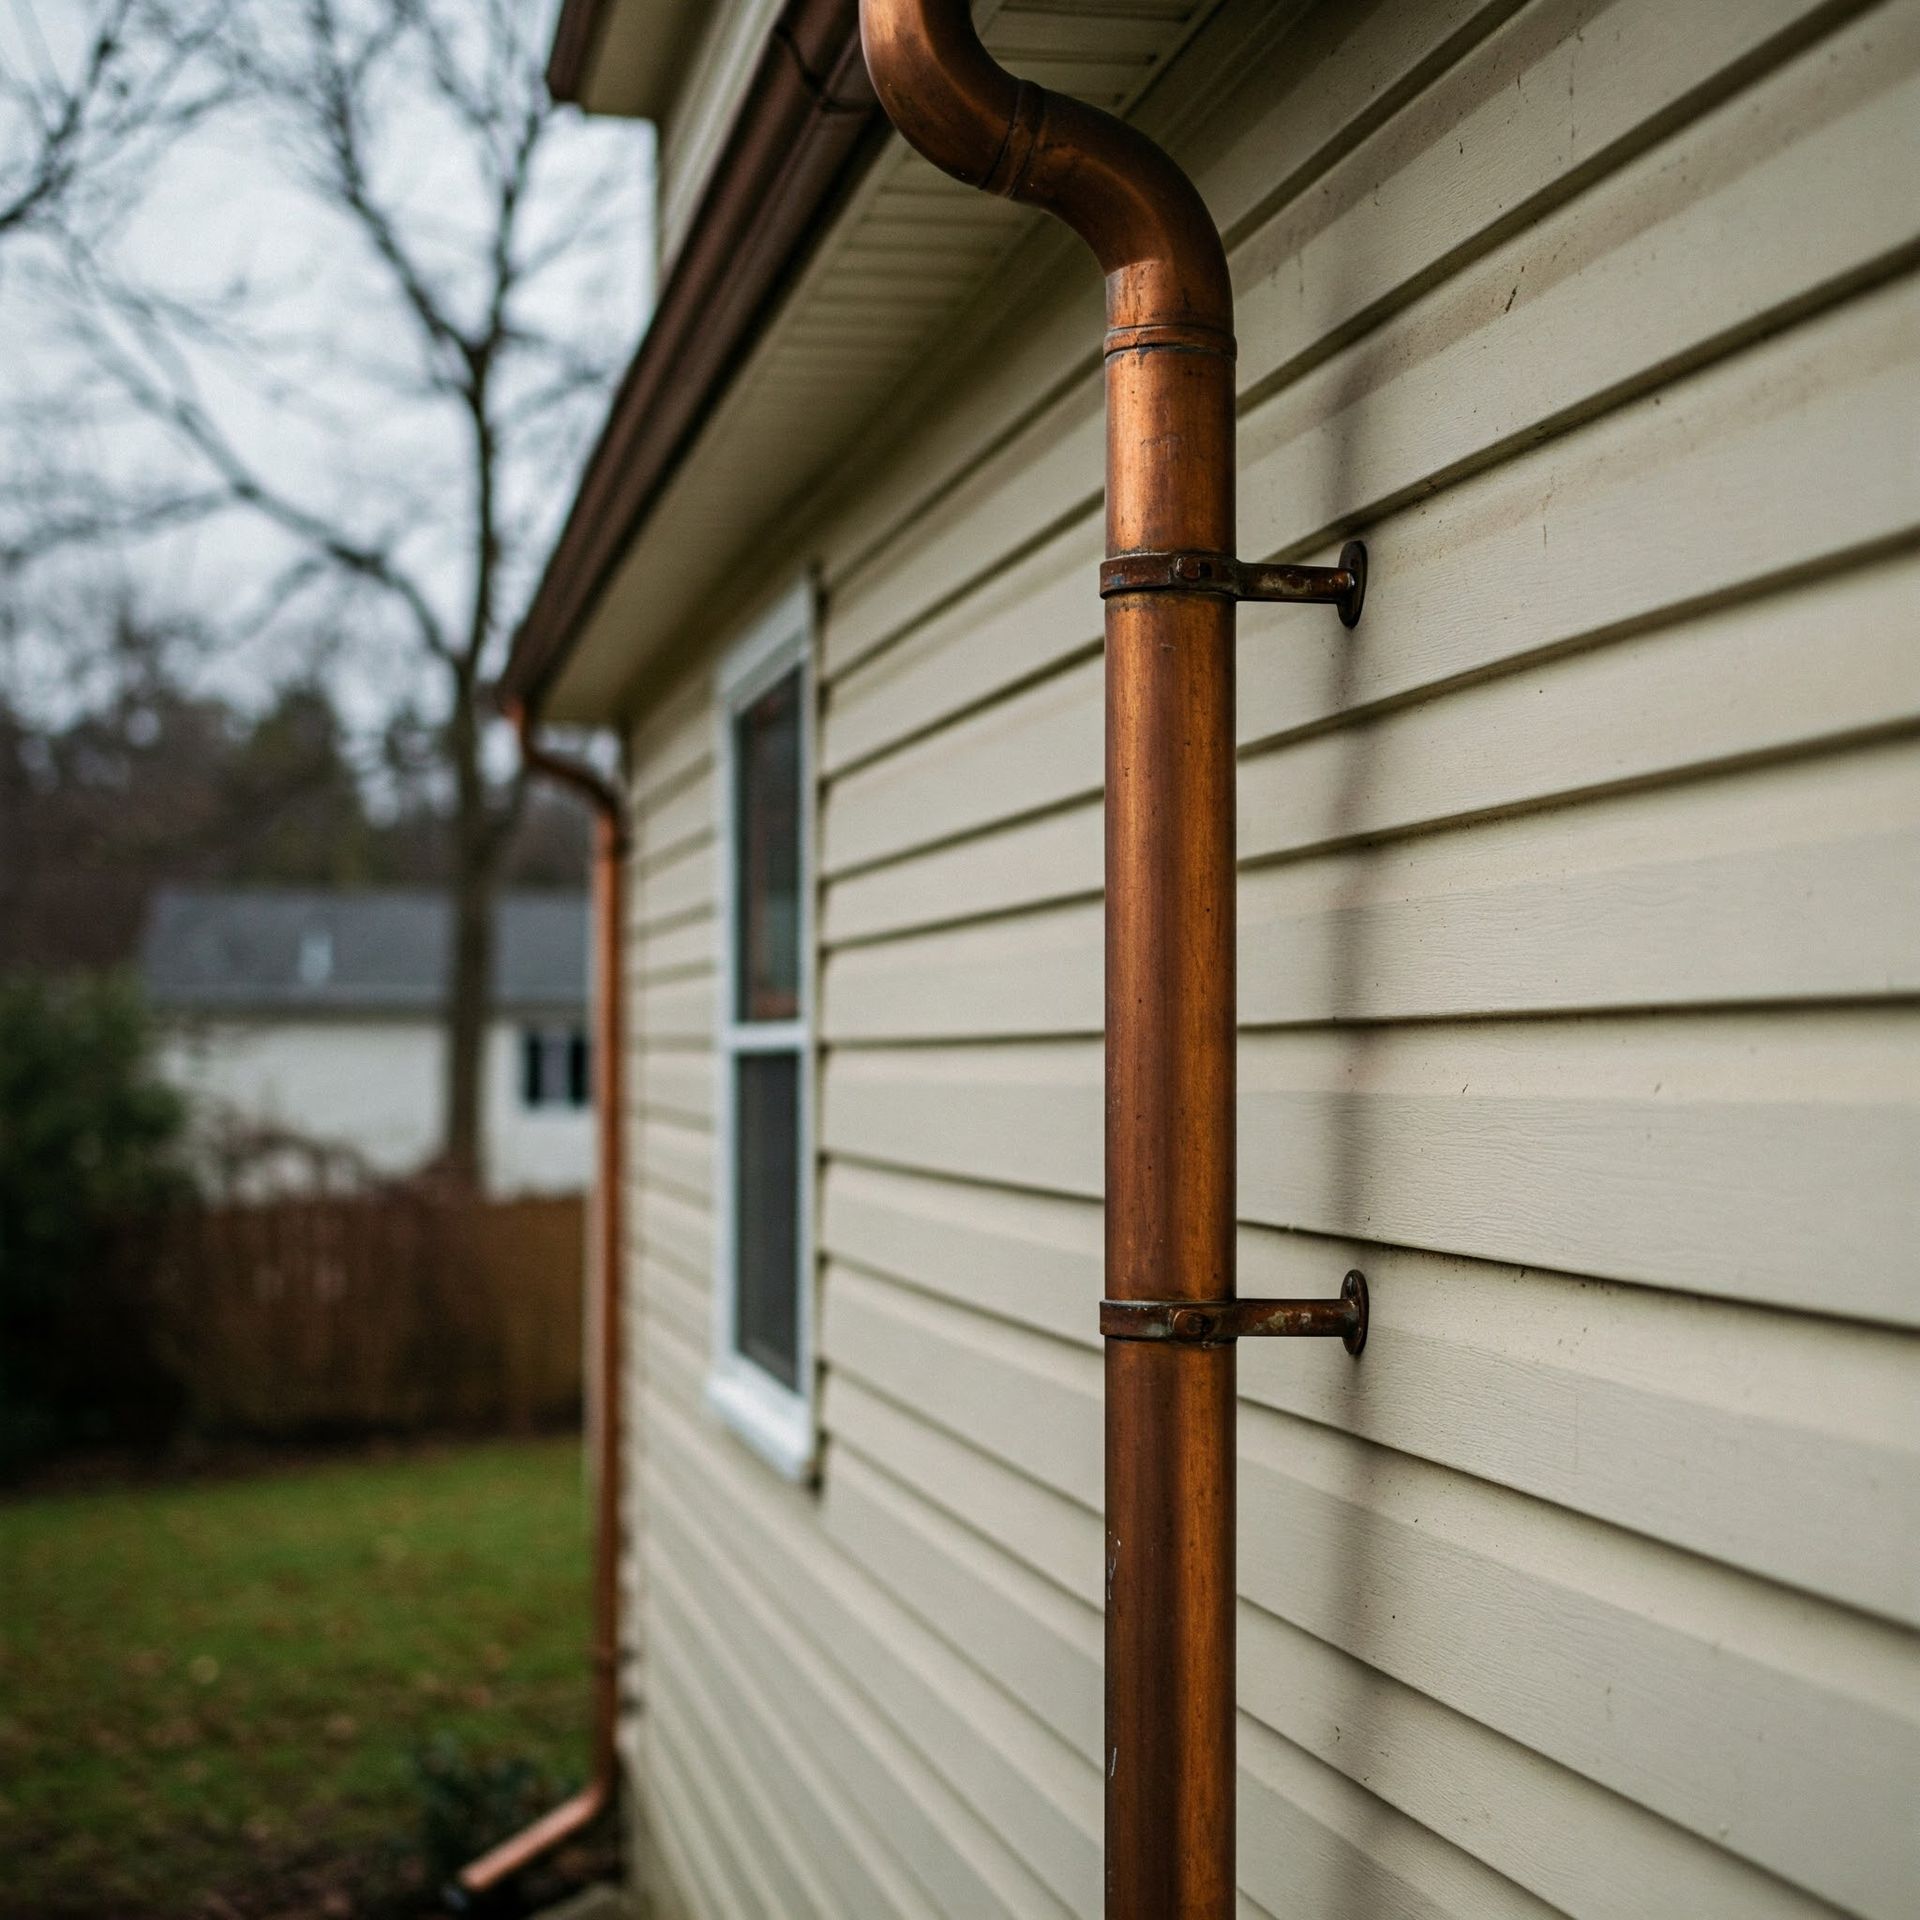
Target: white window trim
column 771, row 1417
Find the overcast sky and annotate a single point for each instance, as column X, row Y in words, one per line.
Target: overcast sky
column 224, row 215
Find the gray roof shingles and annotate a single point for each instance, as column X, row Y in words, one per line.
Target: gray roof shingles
column 263, row 949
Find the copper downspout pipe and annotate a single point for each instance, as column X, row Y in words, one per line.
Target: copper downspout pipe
column 572, row 1816
column 1169, row 923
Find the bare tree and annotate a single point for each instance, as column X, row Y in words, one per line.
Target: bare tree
column 476, row 242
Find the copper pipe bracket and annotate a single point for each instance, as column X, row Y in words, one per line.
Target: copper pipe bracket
column 1215, row 1323
column 1344, row 586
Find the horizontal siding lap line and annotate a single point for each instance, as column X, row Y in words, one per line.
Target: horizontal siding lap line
column 1313, row 1842
column 1783, row 1731
column 1028, row 1788
column 1435, row 769
column 682, row 1185
column 668, row 1130
column 674, row 974
column 1790, row 1478
column 1052, row 1445
column 675, row 821
column 650, row 855
column 1049, row 1534
column 1414, row 707
column 1667, row 900
column 1611, row 1401
column 683, row 1248
column 1469, row 596
column 642, row 1114
column 685, row 1319
column 670, row 918
column 931, row 1167
column 1666, row 1150
column 1559, row 79
column 1581, row 1847
column 654, row 1270
column 1674, row 322
column 688, row 1100
column 685, row 1215
column 665, row 1289
column 672, row 746
column 906, row 861
column 657, row 1252
column 665, row 1295
column 841, row 1832
column 673, row 1370
column 1713, row 1611
column 1389, row 773
column 731, row 1795
column 1069, row 890
column 662, row 775
column 822, row 1840
column 735, row 1834
column 673, row 1247
column 641, row 931
column 1015, row 1304
column 1039, row 1646
column 676, row 872
column 1078, row 749
column 689, row 1042
column 690, row 944
column 1052, row 856
column 1048, row 1430
column 850, row 759
column 695, row 1867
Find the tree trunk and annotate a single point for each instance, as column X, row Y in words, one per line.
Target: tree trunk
column 470, row 976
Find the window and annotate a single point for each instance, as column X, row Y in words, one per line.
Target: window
column 762, row 1378
column 553, row 1067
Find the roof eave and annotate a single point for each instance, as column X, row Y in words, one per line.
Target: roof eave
column 806, row 127
column 576, row 36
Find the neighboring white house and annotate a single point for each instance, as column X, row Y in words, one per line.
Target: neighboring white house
column 318, row 1015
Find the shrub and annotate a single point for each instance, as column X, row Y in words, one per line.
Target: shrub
column 89, row 1140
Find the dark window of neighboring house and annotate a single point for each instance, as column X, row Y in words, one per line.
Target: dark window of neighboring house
column 554, row 1067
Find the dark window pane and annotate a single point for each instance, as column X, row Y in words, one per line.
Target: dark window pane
column 767, row 852
column 577, row 1092
column 529, row 1067
column 766, row 1210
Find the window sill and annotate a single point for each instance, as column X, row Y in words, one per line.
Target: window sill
column 774, row 1421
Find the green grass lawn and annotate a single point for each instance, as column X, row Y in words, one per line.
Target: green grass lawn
column 254, row 1696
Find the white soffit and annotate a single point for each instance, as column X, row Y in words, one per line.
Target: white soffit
column 905, row 259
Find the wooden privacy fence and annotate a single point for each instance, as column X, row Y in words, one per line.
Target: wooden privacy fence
column 397, row 1310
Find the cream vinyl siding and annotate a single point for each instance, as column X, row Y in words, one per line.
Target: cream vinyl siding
column 1580, row 991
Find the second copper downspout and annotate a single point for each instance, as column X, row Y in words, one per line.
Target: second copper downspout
column 1170, row 585
column 573, row 1816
